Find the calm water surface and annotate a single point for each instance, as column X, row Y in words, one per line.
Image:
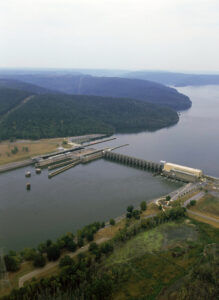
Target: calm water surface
column 194, row 141
column 102, row 189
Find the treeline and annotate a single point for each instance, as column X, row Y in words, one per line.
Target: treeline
column 149, row 223
column 48, row 116
column 84, row 277
column 51, row 251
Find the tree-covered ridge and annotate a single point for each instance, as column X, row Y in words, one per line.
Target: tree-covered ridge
column 109, row 86
column 23, row 86
column 67, row 115
column 9, row 98
column 175, row 79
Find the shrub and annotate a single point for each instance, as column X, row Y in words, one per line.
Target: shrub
column 168, row 198
column 136, row 214
column 80, row 242
column 193, row 202
column 90, row 236
column 29, row 254
column 12, row 263
column 143, row 205
column 39, row 261
column 112, row 222
column 72, row 246
column 106, row 247
column 53, row 253
column 128, row 215
column 66, row 261
column 130, row 208
column 93, row 247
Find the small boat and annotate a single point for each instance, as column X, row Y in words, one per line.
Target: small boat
column 28, row 174
column 38, row 170
column 28, row 186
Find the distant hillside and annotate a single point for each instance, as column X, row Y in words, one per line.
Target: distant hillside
column 110, row 87
column 66, row 115
column 24, row 86
column 174, row 79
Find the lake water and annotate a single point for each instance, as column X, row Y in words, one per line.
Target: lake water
column 194, row 141
column 102, row 190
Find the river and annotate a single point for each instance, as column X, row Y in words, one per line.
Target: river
column 102, row 190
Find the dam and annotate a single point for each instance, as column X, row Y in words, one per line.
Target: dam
column 66, row 160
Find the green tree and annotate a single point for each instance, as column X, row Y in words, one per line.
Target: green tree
column 112, row 222
column 39, row 261
column 128, row 215
column 193, row 202
column 29, row 253
column 168, row 198
column 80, row 242
column 90, row 236
column 12, row 263
column 136, row 214
column 93, row 247
column 66, row 261
column 130, row 208
column 143, row 205
column 71, row 246
column 53, row 252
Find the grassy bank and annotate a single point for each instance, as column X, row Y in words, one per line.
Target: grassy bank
column 24, row 149
column 208, row 205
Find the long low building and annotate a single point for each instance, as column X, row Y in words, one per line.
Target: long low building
column 182, row 172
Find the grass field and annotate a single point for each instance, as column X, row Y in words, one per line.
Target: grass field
column 156, row 259
column 27, row 149
column 160, row 238
column 14, row 277
column 208, row 205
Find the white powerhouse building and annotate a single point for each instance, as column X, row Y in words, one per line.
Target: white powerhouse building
column 182, row 172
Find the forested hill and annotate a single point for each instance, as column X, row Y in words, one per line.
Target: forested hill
column 109, row 86
column 10, row 98
column 24, row 86
column 67, row 115
column 175, row 79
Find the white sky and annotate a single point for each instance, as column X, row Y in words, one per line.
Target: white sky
column 115, row 34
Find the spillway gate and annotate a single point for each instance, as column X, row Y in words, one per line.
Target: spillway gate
column 133, row 161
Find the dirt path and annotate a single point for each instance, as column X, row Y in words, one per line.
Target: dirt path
column 54, row 264
column 16, row 107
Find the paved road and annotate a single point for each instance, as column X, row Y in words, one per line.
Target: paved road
column 16, row 165
column 202, row 216
column 54, row 264
column 186, row 189
column 195, row 197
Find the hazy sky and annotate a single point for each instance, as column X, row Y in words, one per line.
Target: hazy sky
column 121, row 34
